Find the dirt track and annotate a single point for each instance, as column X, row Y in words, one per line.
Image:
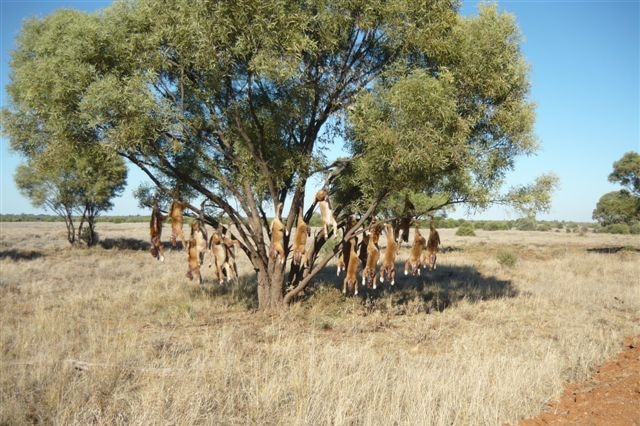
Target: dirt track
column 611, row 397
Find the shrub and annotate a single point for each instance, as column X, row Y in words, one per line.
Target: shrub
column 507, row 258
column 635, row 228
column 617, row 228
column 544, row 227
column 466, row 230
column 497, row 226
column 526, row 224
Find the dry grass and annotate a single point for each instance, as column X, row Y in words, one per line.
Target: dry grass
column 475, row 342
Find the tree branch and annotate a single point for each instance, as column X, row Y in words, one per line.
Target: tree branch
column 305, row 281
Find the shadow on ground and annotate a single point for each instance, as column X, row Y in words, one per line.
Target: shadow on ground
column 612, row 250
column 243, row 290
column 124, row 244
column 16, row 255
column 432, row 290
column 134, row 244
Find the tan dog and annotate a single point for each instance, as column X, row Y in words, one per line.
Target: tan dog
column 432, row 247
column 300, row 241
column 218, row 255
column 373, row 257
column 199, row 233
column 351, row 280
column 230, row 246
column 277, row 236
column 343, row 259
column 322, row 198
column 194, row 262
column 155, row 229
column 388, row 271
column 413, row 262
column 175, row 213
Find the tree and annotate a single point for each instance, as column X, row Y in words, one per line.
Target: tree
column 617, row 207
column 239, row 102
column 621, row 206
column 626, row 171
column 50, row 191
column 67, row 170
column 81, row 185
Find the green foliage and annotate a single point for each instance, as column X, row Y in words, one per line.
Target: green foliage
column 617, row 228
column 544, row 227
column 65, row 171
column 626, row 171
column 635, row 228
column 530, row 199
column 466, row 230
column 617, row 207
column 497, row 226
column 29, row 218
column 621, row 207
column 238, row 101
column 445, row 223
column 526, row 224
column 507, row 258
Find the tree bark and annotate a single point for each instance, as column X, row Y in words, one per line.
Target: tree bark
column 270, row 288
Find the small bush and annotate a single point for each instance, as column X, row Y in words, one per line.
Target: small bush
column 635, row 228
column 497, row 226
column 544, row 227
column 466, row 230
column 526, row 224
column 617, row 228
column 507, row 258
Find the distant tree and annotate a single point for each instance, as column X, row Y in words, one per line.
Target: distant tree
column 67, row 170
column 621, row 206
column 50, row 191
column 617, row 207
column 82, row 185
column 238, row 102
column 626, row 171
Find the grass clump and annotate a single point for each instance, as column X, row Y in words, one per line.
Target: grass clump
column 507, row 258
column 466, row 230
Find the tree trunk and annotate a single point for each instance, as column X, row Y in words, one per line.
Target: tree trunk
column 91, row 222
column 71, row 230
column 270, row 287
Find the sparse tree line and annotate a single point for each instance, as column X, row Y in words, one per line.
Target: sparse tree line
column 237, row 103
column 523, row 224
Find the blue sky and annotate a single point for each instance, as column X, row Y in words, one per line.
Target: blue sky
column 585, row 73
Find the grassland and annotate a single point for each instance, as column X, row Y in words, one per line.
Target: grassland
column 109, row 336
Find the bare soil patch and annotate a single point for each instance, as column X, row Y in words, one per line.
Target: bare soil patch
column 611, row 397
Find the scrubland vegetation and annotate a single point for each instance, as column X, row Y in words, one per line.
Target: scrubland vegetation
column 107, row 335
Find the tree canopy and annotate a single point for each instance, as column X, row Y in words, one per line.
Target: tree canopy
column 617, row 207
column 66, row 171
column 243, row 102
column 621, row 206
column 626, row 172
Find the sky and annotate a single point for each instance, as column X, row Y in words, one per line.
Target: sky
column 585, row 82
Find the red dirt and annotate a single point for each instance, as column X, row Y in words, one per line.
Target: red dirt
column 611, row 397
